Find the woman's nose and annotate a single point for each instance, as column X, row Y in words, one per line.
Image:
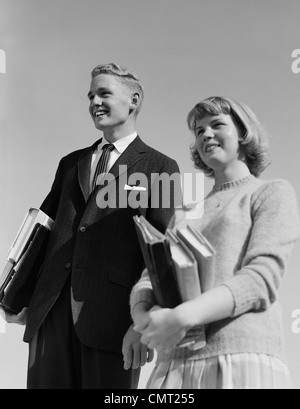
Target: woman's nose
column 208, row 134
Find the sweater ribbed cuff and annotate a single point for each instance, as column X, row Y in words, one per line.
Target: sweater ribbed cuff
column 141, row 295
column 243, row 292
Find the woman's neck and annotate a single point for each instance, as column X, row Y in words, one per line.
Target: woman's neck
column 234, row 172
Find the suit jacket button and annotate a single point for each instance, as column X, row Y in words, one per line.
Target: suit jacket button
column 68, row 265
column 82, row 229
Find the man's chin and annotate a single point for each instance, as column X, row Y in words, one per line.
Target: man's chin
column 100, row 126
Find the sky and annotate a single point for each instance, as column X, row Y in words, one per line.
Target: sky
column 182, row 51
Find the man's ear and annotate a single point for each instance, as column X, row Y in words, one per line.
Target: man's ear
column 134, row 101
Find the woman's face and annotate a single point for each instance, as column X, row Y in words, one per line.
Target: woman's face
column 218, row 141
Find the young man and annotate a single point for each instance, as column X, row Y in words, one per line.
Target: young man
column 78, row 321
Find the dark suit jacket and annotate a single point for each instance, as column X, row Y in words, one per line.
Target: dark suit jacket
column 98, row 247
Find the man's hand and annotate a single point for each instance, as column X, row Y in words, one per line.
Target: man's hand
column 16, row 318
column 135, row 354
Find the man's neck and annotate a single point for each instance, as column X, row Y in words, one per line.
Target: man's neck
column 115, row 135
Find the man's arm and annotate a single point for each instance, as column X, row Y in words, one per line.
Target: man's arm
column 135, row 354
column 50, row 204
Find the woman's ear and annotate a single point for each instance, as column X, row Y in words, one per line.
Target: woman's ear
column 242, row 138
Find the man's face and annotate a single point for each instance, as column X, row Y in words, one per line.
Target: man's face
column 110, row 102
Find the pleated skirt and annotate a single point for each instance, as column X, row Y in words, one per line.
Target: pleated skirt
column 237, row 371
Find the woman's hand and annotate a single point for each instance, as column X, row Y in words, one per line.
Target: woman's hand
column 166, row 328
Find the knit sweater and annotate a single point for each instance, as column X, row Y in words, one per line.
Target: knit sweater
column 253, row 225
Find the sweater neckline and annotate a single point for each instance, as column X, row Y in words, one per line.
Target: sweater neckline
column 233, row 184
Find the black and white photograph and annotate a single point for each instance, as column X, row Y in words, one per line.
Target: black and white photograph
column 149, row 212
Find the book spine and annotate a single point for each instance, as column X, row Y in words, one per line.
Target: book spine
column 20, row 240
column 145, row 248
column 164, row 269
column 5, row 277
column 189, row 283
column 195, row 339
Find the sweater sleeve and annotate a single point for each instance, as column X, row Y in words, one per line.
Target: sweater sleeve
column 142, row 292
column 275, row 230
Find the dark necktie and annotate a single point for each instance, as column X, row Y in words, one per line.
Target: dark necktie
column 102, row 163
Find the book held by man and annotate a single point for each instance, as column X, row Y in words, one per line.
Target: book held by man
column 173, row 270
column 25, row 256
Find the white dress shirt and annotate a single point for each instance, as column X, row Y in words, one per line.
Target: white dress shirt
column 120, row 146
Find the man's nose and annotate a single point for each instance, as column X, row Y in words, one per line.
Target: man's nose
column 96, row 100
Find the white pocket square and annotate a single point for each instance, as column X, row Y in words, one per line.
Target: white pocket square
column 138, row 188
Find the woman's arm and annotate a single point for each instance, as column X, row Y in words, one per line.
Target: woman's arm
column 168, row 326
column 275, row 229
column 163, row 327
column 253, row 288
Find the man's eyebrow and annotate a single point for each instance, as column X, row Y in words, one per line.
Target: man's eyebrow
column 101, row 89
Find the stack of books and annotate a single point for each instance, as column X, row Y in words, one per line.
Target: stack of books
column 25, row 256
column 180, row 267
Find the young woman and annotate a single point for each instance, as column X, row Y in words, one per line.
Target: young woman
column 253, row 225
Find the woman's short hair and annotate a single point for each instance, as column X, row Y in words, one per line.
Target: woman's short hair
column 254, row 139
column 128, row 78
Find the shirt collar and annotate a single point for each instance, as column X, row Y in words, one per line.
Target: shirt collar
column 121, row 145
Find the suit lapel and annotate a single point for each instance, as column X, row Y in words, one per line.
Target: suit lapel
column 84, row 170
column 133, row 154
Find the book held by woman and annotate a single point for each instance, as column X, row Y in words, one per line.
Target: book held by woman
column 177, row 262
